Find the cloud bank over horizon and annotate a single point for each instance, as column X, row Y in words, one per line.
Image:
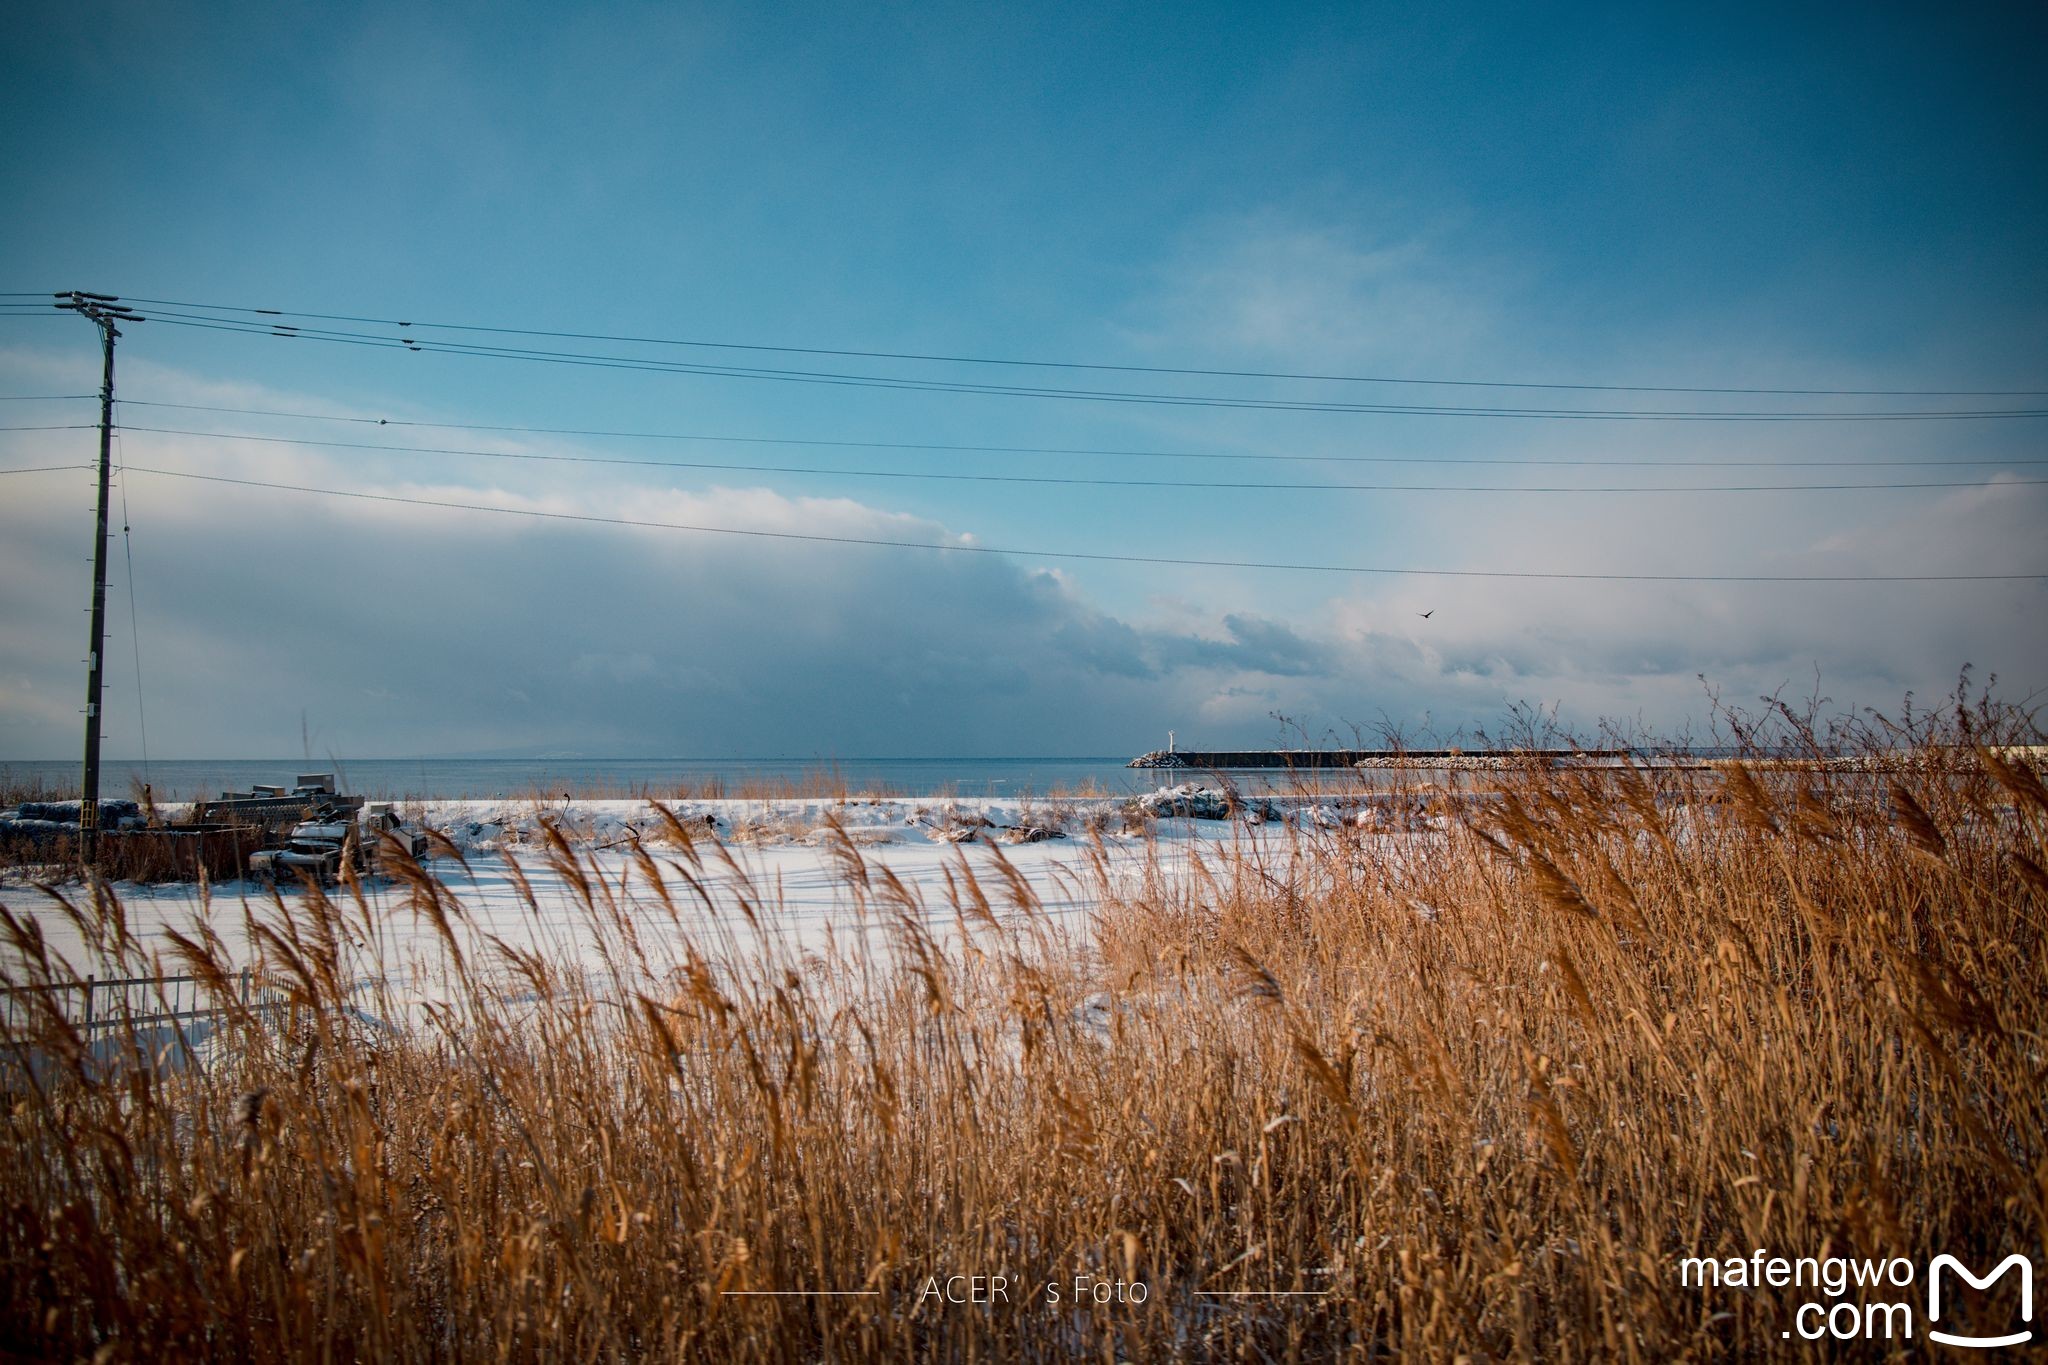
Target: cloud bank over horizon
column 391, row 630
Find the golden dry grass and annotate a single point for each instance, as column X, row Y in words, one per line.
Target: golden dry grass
column 1482, row 1086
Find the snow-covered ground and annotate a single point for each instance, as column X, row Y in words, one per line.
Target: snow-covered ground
column 754, row 871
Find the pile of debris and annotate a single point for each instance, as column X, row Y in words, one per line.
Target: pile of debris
column 333, row 838
column 949, row 824
column 1195, row 803
column 36, row 821
column 130, row 845
column 276, row 809
column 274, row 832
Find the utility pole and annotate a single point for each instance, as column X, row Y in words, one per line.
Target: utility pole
column 104, row 310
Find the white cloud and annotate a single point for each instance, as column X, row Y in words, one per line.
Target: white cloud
column 392, row 628
column 1621, row 649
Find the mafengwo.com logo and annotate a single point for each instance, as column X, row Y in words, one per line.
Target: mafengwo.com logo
column 1951, row 1319
column 2014, row 1262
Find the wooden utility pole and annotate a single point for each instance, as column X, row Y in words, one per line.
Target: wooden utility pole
column 104, row 310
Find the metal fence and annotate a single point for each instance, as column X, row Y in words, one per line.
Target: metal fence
column 166, row 1018
column 96, row 1004
column 170, row 1021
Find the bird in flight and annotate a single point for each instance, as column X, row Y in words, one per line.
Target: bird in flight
column 1425, row 615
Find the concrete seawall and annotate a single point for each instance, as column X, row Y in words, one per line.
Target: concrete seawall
column 1324, row 759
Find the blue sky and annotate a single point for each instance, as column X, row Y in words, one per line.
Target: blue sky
column 1745, row 196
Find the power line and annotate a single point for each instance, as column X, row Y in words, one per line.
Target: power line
column 1069, row 480
column 1185, row 370
column 45, row 468
column 1114, row 396
column 1080, row 451
column 134, row 621
column 1095, row 556
column 43, row 397
column 65, row 426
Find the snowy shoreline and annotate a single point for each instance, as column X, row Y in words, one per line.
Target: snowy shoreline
column 791, row 859
column 477, row 824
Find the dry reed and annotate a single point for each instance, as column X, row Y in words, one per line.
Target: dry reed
column 1468, row 1092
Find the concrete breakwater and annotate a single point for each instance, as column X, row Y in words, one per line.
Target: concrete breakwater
column 1503, row 762
column 1295, row 760
column 1953, row 759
